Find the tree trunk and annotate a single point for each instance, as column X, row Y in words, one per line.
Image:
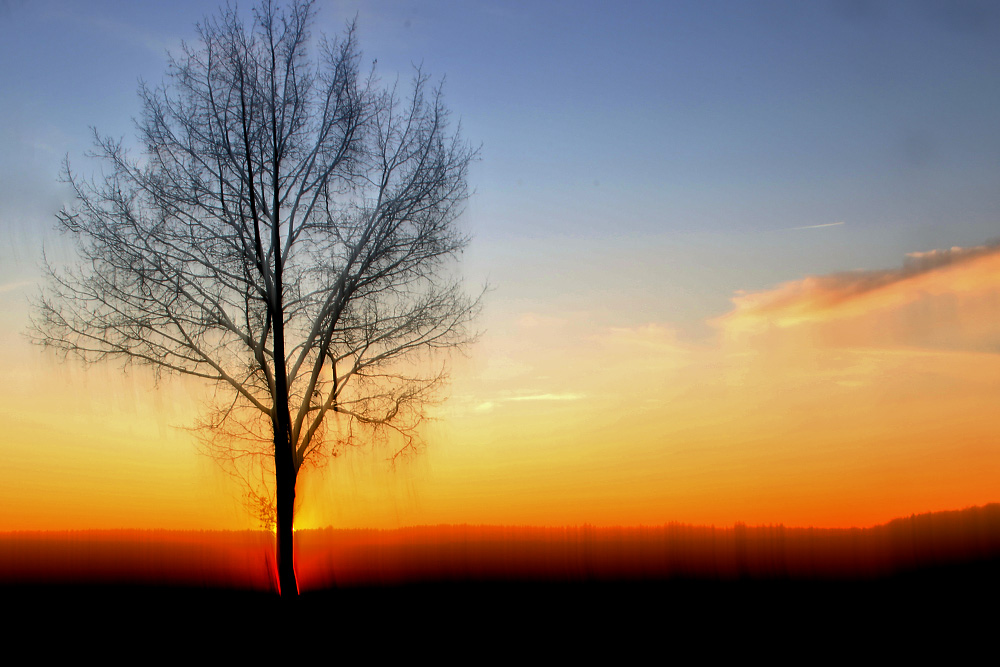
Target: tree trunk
column 285, row 464
column 285, row 474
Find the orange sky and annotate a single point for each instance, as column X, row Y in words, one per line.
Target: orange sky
column 837, row 400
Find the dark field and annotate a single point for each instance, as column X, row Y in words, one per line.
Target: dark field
column 672, row 583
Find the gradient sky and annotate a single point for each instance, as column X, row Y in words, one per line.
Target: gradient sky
column 739, row 258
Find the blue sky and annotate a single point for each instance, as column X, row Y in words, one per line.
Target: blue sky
column 636, row 148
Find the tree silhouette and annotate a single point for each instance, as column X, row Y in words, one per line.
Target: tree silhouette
column 286, row 234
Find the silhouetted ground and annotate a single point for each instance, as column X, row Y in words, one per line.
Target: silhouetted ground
column 952, row 608
column 912, row 583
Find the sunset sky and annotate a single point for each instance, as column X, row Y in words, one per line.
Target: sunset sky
column 740, row 258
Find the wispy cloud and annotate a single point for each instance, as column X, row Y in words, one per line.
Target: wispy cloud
column 488, row 406
column 949, row 297
column 10, row 287
column 651, row 337
column 825, row 224
column 546, row 397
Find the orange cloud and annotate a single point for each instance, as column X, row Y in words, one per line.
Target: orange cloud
column 938, row 299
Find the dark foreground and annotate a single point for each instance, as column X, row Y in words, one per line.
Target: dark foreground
column 952, row 608
column 467, row 592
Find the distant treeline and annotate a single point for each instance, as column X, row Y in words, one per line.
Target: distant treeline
column 463, row 554
column 475, row 554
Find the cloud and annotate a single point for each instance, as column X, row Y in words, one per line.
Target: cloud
column 488, row 406
column 652, row 336
column 10, row 287
column 825, row 224
column 945, row 297
column 546, row 397
column 537, row 321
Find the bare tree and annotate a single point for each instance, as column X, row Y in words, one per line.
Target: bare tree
column 287, row 234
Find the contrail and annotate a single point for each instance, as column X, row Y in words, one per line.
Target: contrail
column 825, row 224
